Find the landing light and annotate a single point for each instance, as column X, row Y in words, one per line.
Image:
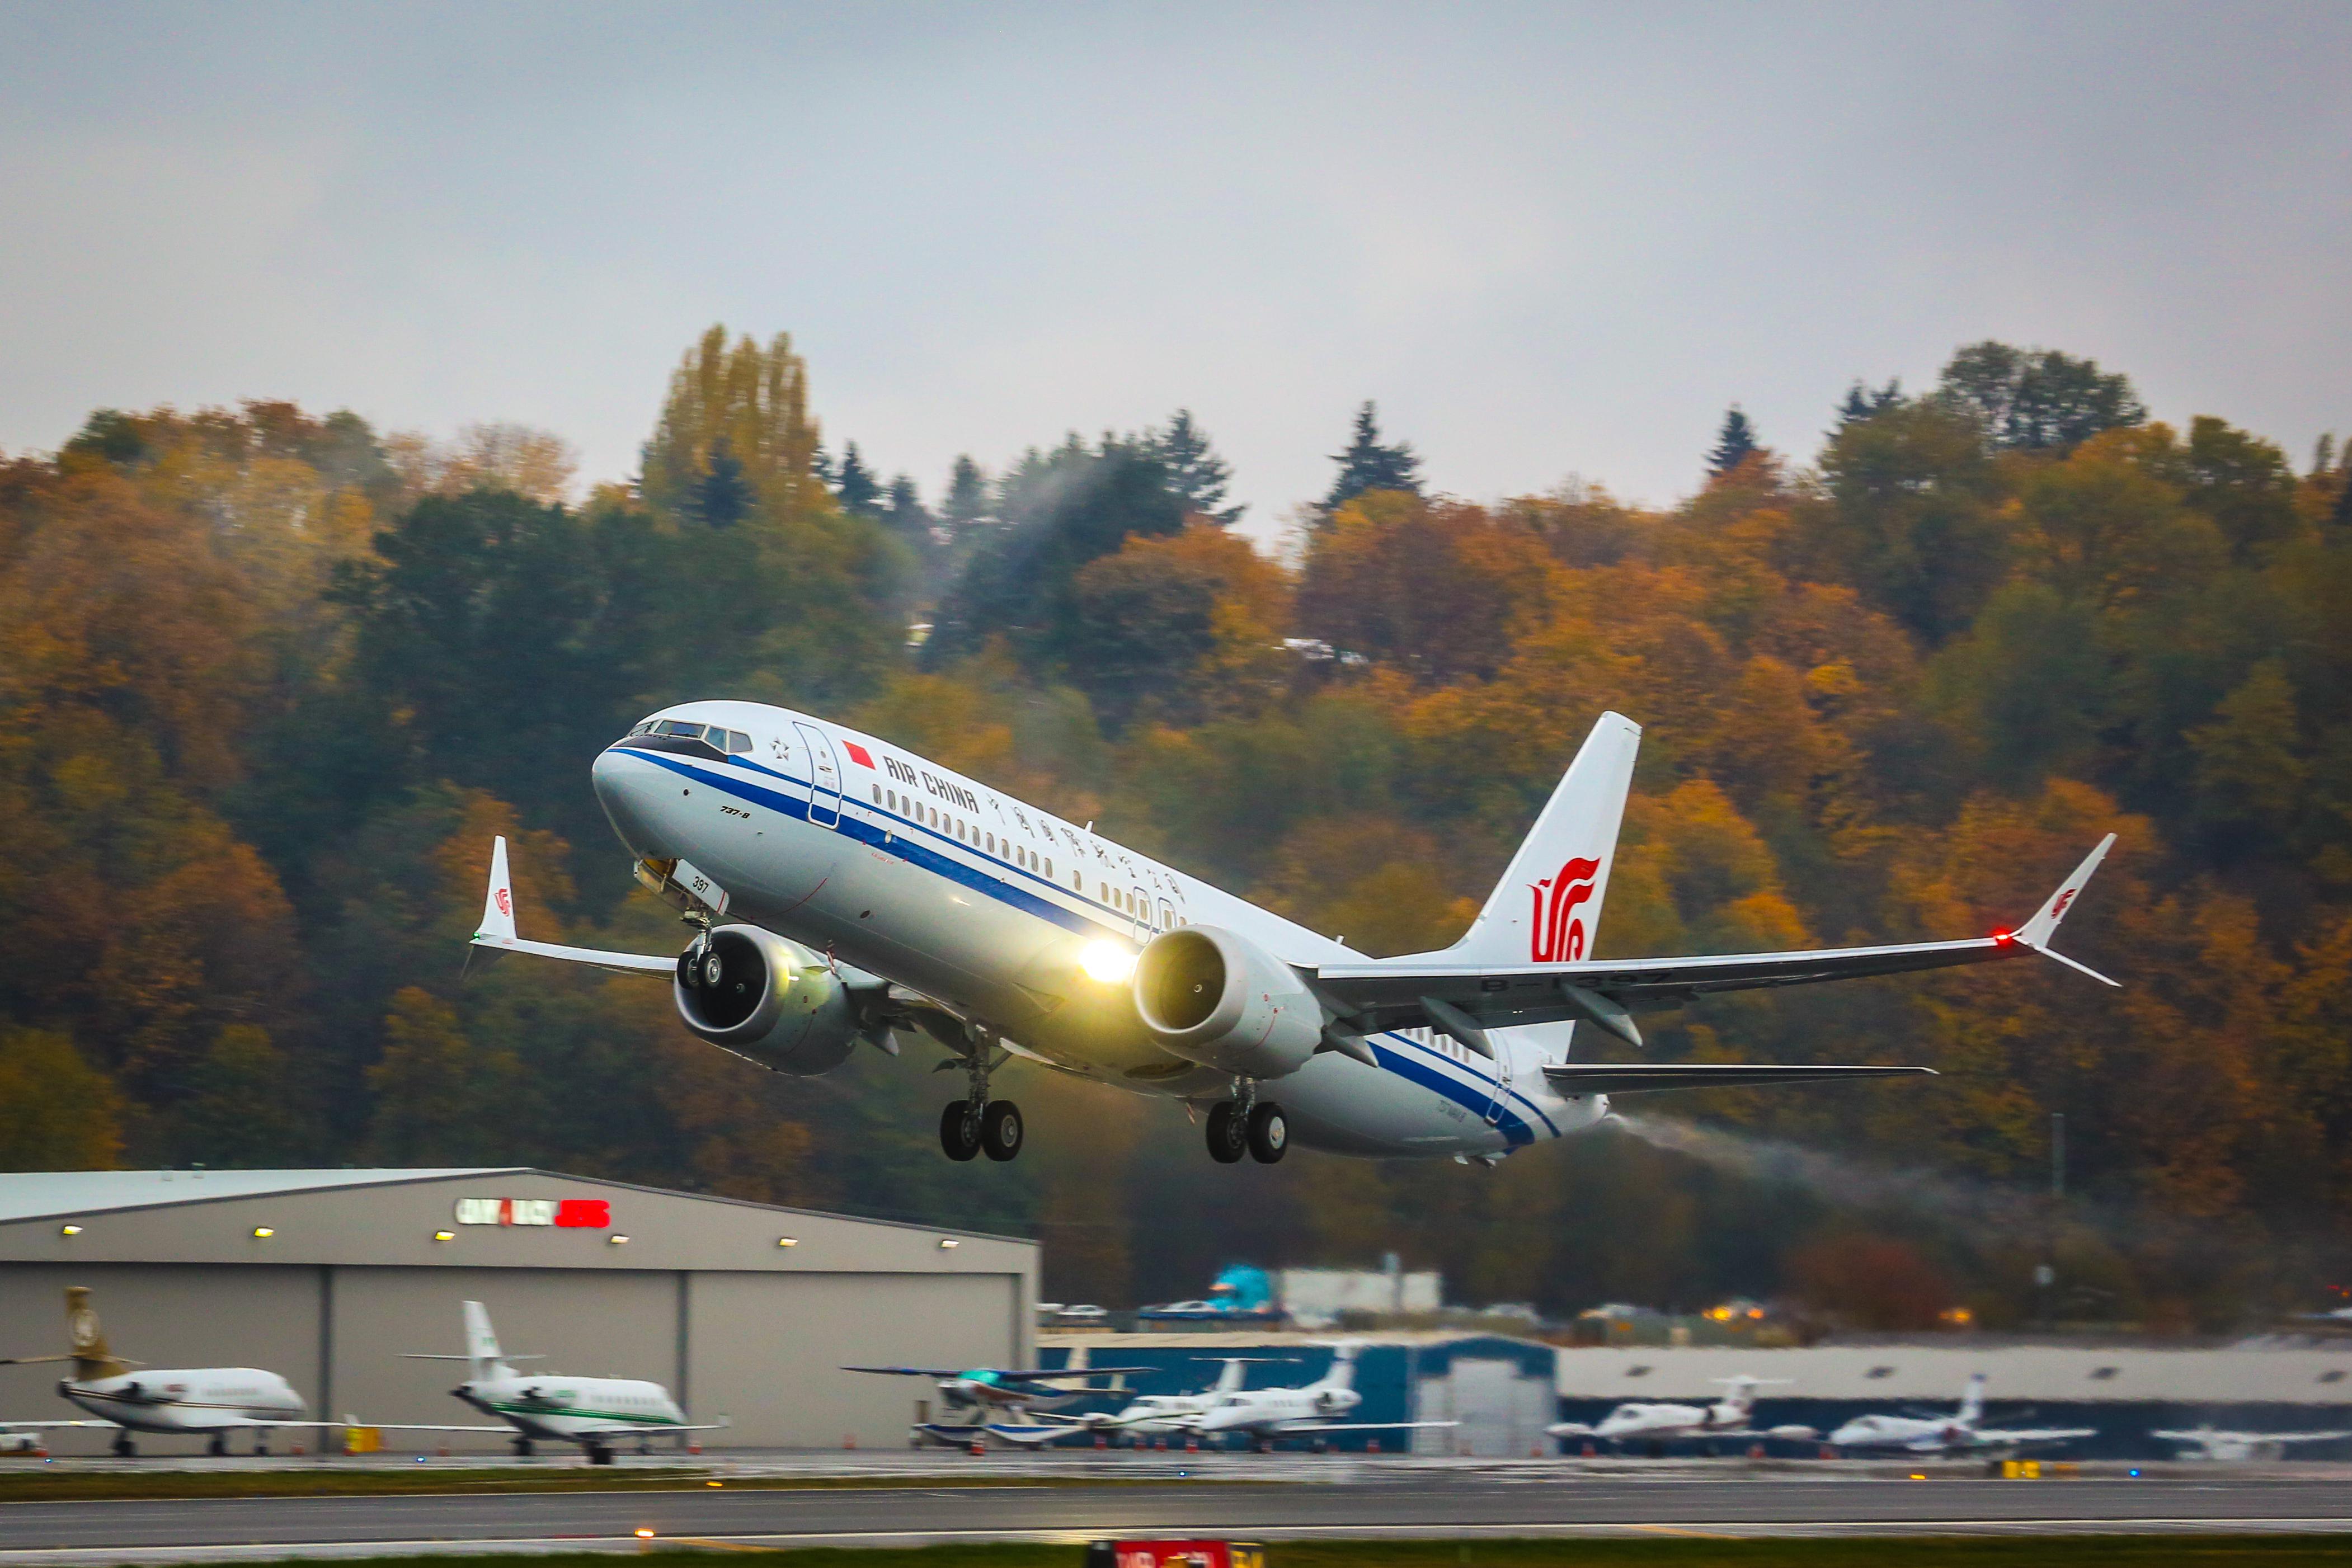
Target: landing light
column 1108, row 962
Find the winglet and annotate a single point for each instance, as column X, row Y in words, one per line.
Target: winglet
column 497, row 905
column 2037, row 932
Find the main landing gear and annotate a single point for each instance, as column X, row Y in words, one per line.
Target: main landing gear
column 124, row 1449
column 977, row 1124
column 1247, row 1124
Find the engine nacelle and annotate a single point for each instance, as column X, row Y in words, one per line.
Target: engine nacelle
column 1219, row 999
column 765, row 999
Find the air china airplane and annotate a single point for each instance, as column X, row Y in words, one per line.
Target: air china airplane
column 845, row 890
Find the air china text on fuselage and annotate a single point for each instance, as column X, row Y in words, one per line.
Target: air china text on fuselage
column 843, row 890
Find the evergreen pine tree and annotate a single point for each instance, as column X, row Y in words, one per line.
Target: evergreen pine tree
column 855, row 487
column 966, row 501
column 903, row 511
column 1369, row 464
column 723, row 496
column 1735, row 445
column 1195, row 472
column 821, row 465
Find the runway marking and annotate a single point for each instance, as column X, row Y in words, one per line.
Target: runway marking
column 1677, row 1530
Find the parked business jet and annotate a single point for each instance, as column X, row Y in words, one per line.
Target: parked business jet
column 204, row 1401
column 984, row 1389
column 1957, row 1434
column 2205, row 1443
column 843, row 889
column 1266, row 1414
column 1729, row 1417
column 1161, row 1414
column 593, row 1412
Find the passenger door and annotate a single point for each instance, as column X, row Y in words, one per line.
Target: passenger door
column 825, row 781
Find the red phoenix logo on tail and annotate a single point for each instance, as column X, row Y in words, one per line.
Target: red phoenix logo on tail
column 1557, row 937
column 505, row 902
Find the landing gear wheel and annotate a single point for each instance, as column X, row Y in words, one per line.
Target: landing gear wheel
column 1269, row 1133
column 218, row 1447
column 522, row 1448
column 124, row 1449
column 1228, row 1135
column 959, row 1131
column 599, row 1455
column 1001, row 1130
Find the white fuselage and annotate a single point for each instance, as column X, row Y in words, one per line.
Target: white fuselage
column 914, row 872
column 574, row 1409
column 1261, row 1412
column 1671, row 1420
column 195, row 1399
column 1910, row 1434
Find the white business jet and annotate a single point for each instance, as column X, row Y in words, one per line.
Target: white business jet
column 844, row 889
column 1152, row 1416
column 205, row 1401
column 1266, row 1414
column 1729, row 1417
column 1956, row 1434
column 2205, row 1443
column 593, row 1412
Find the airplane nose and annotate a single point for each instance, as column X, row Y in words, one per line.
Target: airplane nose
column 621, row 781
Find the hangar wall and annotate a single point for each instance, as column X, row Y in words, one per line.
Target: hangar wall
column 699, row 1295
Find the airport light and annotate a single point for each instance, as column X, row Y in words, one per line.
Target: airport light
column 949, row 1243
column 617, row 1240
column 70, row 1230
column 263, row 1233
column 445, row 1235
column 788, row 1240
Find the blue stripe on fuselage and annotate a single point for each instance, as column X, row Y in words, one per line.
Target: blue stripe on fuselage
column 1471, row 1096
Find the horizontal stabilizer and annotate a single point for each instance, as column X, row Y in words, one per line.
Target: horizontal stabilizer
column 1639, row 1078
column 496, row 931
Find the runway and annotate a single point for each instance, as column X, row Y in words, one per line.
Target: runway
column 1399, row 1499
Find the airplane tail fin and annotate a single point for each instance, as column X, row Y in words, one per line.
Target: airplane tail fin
column 86, row 1341
column 1343, row 1368
column 1230, row 1378
column 483, row 1357
column 1547, row 908
column 1972, row 1402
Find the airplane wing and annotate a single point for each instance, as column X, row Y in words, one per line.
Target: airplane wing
column 52, row 1426
column 618, row 1429
column 1357, row 1425
column 2212, row 1437
column 1997, row 1439
column 912, row 1371
column 1045, row 1376
column 496, row 931
column 1463, row 1000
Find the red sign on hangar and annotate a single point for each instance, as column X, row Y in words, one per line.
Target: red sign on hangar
column 566, row 1213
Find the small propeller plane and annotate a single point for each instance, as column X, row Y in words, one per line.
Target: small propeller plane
column 986, row 1390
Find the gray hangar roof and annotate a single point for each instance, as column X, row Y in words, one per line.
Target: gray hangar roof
column 474, row 1216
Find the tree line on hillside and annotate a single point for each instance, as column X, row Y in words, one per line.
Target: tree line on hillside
column 270, row 681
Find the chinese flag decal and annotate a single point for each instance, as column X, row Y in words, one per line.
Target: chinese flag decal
column 858, row 753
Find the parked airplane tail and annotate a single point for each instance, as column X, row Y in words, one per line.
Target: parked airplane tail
column 86, row 1341
column 1547, row 908
column 1343, row 1368
column 1972, row 1402
column 1740, row 1393
column 483, row 1357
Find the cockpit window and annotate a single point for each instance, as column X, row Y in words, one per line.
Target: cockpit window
column 644, row 727
column 673, row 727
column 737, row 741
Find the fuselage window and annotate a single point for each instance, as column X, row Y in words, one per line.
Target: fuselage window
column 877, row 794
column 992, row 843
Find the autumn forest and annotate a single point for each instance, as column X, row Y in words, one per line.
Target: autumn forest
column 270, row 678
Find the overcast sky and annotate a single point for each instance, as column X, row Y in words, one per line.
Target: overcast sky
column 1547, row 239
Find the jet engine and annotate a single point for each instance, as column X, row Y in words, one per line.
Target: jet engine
column 767, row 1000
column 1219, row 999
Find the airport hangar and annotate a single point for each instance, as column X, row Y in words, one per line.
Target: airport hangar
column 744, row 1310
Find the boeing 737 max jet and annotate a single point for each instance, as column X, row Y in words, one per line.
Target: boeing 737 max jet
column 845, row 890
